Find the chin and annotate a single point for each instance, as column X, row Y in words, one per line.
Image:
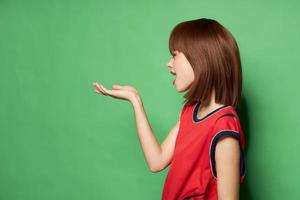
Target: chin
column 180, row 89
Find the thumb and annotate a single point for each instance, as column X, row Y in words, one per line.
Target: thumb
column 115, row 86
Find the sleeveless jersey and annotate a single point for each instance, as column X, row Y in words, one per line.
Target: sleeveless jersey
column 192, row 173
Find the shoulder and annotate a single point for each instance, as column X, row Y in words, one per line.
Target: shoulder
column 227, row 121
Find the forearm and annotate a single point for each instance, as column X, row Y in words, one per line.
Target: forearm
column 147, row 140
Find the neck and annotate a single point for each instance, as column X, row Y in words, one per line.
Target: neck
column 210, row 107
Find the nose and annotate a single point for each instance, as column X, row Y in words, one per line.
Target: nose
column 170, row 64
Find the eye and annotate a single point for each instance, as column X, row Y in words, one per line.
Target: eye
column 173, row 53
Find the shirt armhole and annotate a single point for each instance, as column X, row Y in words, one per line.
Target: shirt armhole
column 226, row 127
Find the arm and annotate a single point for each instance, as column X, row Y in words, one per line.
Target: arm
column 227, row 157
column 157, row 156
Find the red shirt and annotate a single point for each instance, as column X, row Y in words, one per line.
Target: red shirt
column 192, row 173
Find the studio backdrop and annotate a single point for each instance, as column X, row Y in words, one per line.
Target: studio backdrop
column 61, row 140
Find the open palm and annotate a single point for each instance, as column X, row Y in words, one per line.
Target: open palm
column 126, row 92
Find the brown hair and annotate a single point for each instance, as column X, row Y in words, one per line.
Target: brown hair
column 214, row 56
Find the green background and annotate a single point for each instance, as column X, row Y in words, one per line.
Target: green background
column 60, row 140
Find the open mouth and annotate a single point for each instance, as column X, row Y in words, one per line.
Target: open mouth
column 174, row 74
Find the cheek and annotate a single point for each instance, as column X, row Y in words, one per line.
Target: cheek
column 184, row 81
column 183, row 70
column 186, row 75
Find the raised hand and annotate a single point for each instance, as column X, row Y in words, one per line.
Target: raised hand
column 126, row 92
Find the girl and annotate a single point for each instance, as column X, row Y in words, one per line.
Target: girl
column 205, row 149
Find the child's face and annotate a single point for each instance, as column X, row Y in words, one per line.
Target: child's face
column 183, row 70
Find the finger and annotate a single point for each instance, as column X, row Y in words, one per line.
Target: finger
column 95, row 84
column 97, row 91
column 100, row 88
column 106, row 91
